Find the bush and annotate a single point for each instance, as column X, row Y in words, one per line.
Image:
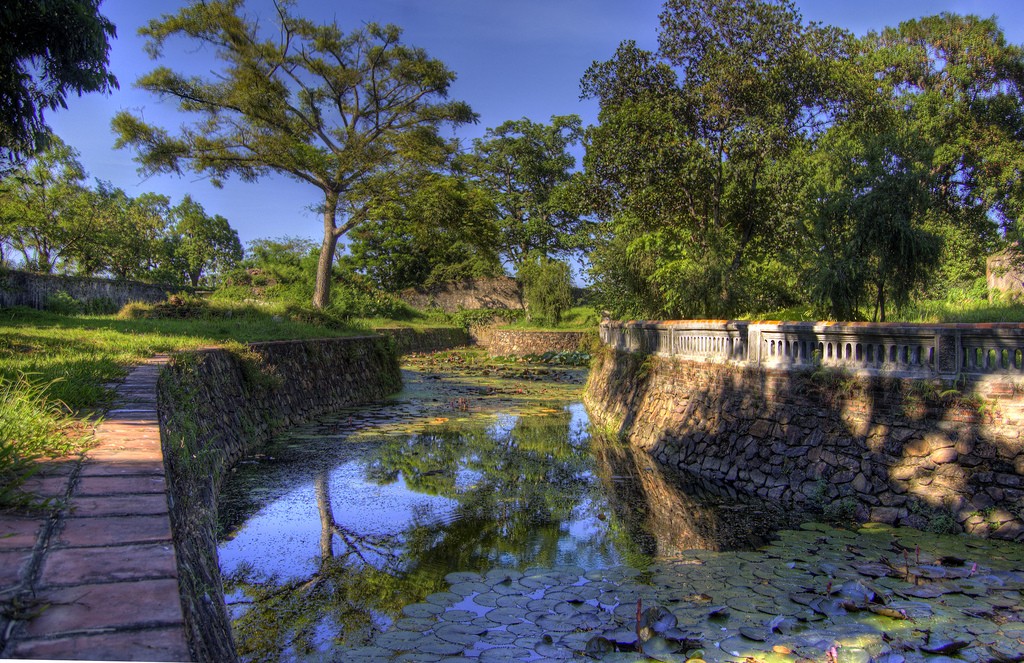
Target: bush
column 64, row 304
column 547, row 287
column 176, row 307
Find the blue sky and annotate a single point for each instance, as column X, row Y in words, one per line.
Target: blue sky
column 514, row 58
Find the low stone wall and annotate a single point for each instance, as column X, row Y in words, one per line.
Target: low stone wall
column 408, row 340
column 505, row 342
column 898, row 450
column 217, row 405
column 34, row 290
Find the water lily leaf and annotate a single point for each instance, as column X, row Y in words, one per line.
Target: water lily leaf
column 1001, row 655
column 754, row 633
column 487, row 599
column 857, row 592
column 929, row 591
column 460, row 634
column 422, row 610
column 558, row 623
column 504, row 654
column 399, row 640
column 599, row 645
column 719, row 612
column 443, row 599
column 658, row 619
column 942, row 644
column 554, row 651
column 507, row 616
column 927, row 571
column 622, row 637
column 458, row 616
column 435, row 645
column 659, row 649
column 469, row 588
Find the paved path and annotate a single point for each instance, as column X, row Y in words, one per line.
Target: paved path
column 96, row 579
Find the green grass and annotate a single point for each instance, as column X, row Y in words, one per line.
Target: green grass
column 55, row 369
column 579, row 318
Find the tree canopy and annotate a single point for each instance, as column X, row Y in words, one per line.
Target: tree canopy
column 755, row 162
column 55, row 222
column 526, row 167
column 48, row 49
column 337, row 111
column 691, row 161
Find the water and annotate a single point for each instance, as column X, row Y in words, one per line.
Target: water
column 478, row 516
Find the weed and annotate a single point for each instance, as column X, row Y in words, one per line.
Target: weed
column 840, row 512
column 33, row 425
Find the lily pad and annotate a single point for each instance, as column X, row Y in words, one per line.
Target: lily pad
column 422, row 610
column 460, row 634
column 507, row 616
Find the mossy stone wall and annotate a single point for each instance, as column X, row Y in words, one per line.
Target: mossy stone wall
column 218, row 405
column 895, row 450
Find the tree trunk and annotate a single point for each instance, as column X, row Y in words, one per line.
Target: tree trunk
column 322, row 489
column 322, row 290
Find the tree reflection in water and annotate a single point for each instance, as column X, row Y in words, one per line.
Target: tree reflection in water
column 518, row 493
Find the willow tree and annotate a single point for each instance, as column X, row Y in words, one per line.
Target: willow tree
column 335, row 110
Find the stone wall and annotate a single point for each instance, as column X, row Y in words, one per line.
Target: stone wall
column 469, row 294
column 906, row 451
column 217, row 405
column 34, row 290
column 505, row 342
column 407, row 339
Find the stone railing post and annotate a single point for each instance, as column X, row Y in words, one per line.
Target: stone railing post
column 948, row 353
column 753, row 345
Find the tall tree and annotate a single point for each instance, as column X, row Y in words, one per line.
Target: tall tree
column 527, row 166
column 959, row 88
column 430, row 228
column 126, row 234
column 201, row 245
column 48, row 48
column 333, row 110
column 44, row 207
column 692, row 156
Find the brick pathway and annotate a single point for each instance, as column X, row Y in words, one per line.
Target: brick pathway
column 97, row 579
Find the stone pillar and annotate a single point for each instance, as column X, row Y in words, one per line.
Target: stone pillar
column 947, row 353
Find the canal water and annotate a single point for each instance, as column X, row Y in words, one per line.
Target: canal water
column 477, row 515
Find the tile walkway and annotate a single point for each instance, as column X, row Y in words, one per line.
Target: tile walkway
column 96, row 578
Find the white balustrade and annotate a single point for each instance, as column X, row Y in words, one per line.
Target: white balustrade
column 904, row 350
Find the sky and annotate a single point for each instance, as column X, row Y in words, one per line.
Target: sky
column 513, row 59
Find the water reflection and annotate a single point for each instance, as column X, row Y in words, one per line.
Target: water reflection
column 340, row 525
column 667, row 512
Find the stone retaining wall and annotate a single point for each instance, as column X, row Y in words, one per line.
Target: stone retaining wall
column 217, row 405
column 35, row 290
column 897, row 450
column 408, row 340
column 505, row 342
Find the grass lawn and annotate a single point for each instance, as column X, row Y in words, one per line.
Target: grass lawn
column 54, row 370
